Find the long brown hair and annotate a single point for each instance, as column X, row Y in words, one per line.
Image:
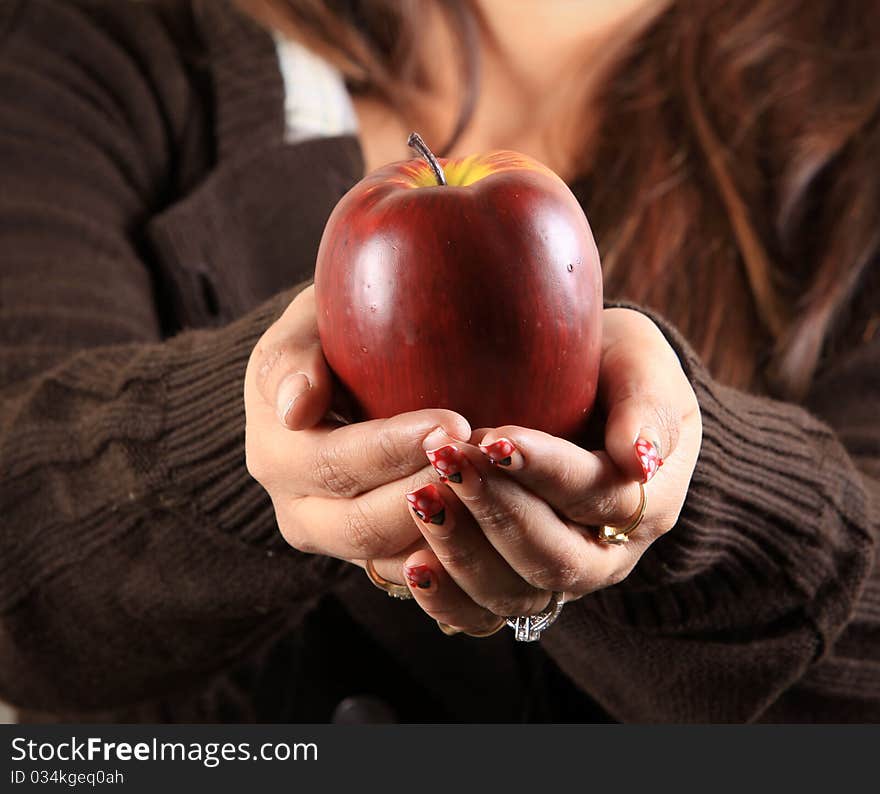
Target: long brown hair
column 742, row 200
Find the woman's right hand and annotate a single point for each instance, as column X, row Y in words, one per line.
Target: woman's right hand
column 336, row 488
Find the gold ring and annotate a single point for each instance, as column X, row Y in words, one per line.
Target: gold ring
column 621, row 534
column 490, row 632
column 450, row 631
column 400, row 591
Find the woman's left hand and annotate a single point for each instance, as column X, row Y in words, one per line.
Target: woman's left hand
column 515, row 516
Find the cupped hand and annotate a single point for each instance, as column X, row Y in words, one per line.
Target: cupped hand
column 336, row 487
column 515, row 514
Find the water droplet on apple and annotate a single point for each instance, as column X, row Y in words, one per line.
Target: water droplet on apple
column 363, row 349
column 570, row 267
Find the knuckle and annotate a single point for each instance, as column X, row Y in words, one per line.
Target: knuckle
column 458, row 558
column 266, row 357
column 333, row 474
column 564, row 476
column 389, row 453
column 294, row 533
column 668, row 425
column 502, row 522
column 563, row 575
column 606, row 504
column 360, row 533
column 603, row 506
column 569, row 580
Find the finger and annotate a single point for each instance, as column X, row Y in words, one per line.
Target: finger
column 467, row 555
column 374, row 525
column 392, row 568
column 632, row 437
column 586, row 487
column 645, row 391
column 290, row 371
column 437, row 593
column 545, row 551
column 352, row 459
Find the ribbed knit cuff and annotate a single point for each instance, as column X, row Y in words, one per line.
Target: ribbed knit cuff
column 775, row 522
column 201, row 453
column 203, row 440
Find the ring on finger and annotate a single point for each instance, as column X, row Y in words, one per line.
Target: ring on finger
column 449, row 631
column 488, row 632
column 608, row 534
column 393, row 589
column 529, row 628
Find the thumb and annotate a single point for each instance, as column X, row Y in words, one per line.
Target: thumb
column 645, row 394
column 638, row 435
column 291, row 372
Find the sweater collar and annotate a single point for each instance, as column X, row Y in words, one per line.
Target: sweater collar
column 247, row 82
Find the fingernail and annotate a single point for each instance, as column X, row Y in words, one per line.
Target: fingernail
column 502, row 453
column 292, row 387
column 648, row 457
column 427, row 504
column 449, row 462
column 418, row 576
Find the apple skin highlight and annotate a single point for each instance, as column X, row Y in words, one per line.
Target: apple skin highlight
column 483, row 295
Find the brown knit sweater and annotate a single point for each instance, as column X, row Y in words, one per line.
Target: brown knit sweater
column 152, row 224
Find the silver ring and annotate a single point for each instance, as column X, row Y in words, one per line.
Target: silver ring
column 528, row 628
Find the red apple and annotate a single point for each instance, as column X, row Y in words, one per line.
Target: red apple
column 482, row 295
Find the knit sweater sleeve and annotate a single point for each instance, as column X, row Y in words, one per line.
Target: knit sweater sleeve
column 136, row 554
column 763, row 602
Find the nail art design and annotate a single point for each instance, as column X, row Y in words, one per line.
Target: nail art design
column 418, row 576
column 649, row 458
column 448, row 462
column 427, row 504
column 499, row 452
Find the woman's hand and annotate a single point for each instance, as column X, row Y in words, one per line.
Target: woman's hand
column 336, row 488
column 516, row 512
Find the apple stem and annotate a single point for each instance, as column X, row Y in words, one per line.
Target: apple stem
column 415, row 142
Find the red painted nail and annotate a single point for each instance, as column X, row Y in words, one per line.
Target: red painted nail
column 499, row 452
column 449, row 462
column 427, row 504
column 418, row 576
column 648, row 457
